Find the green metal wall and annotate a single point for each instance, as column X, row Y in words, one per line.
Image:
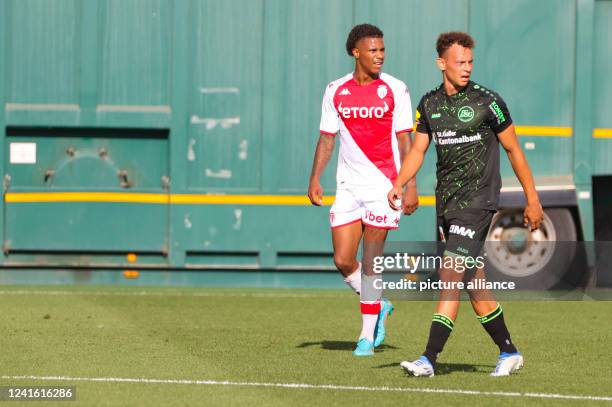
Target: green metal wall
column 602, row 86
column 525, row 51
column 200, row 97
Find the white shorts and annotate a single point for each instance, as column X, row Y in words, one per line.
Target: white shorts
column 368, row 205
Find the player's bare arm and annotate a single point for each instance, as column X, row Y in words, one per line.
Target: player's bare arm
column 325, row 148
column 410, row 203
column 410, row 166
column 533, row 213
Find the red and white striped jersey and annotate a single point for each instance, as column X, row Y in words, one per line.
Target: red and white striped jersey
column 368, row 117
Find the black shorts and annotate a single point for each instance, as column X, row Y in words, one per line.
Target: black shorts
column 464, row 231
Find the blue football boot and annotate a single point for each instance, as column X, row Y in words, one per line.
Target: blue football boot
column 386, row 309
column 420, row 367
column 364, row 348
column 507, row 364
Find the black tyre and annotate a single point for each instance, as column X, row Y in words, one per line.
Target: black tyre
column 536, row 260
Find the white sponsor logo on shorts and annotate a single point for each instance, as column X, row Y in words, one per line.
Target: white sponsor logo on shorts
column 462, row 230
column 372, row 217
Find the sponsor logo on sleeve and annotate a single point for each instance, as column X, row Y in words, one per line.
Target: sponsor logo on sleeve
column 499, row 115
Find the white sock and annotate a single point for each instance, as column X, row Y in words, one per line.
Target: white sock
column 367, row 329
column 353, row 280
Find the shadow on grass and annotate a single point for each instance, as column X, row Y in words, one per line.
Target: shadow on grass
column 448, row 368
column 340, row 345
column 394, row 365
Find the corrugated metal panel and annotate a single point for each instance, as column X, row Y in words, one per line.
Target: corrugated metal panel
column 224, row 144
column 135, row 56
column 304, row 51
column 525, row 51
column 602, row 89
column 42, row 54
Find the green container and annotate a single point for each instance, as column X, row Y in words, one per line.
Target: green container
column 184, row 131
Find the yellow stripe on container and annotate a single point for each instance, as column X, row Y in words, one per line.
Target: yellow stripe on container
column 177, row 199
column 13, row 197
column 210, row 199
column 544, row 131
column 245, row 199
column 602, row 133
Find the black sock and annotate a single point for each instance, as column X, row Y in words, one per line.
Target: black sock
column 441, row 328
column 495, row 326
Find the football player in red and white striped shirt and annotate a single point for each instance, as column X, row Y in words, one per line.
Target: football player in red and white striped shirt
column 371, row 112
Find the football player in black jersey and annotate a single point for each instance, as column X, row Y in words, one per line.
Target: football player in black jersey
column 466, row 122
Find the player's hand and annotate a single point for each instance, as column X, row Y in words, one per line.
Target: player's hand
column 315, row 192
column 394, row 197
column 411, row 200
column 533, row 215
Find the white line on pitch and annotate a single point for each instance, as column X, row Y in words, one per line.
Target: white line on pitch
column 308, row 386
column 169, row 294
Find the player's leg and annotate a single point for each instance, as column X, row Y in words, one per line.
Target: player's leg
column 347, row 229
column 345, row 219
column 378, row 219
column 482, row 299
column 442, row 323
column 491, row 316
column 346, row 240
column 457, row 252
column 490, row 313
column 447, row 308
column 373, row 241
column 369, row 297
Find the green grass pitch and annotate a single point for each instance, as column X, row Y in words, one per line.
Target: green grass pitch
column 272, row 337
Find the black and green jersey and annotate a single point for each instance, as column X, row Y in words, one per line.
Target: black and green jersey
column 464, row 128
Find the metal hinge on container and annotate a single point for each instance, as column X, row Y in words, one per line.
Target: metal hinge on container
column 124, row 181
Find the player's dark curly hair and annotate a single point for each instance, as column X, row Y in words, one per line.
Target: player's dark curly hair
column 361, row 31
column 446, row 40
